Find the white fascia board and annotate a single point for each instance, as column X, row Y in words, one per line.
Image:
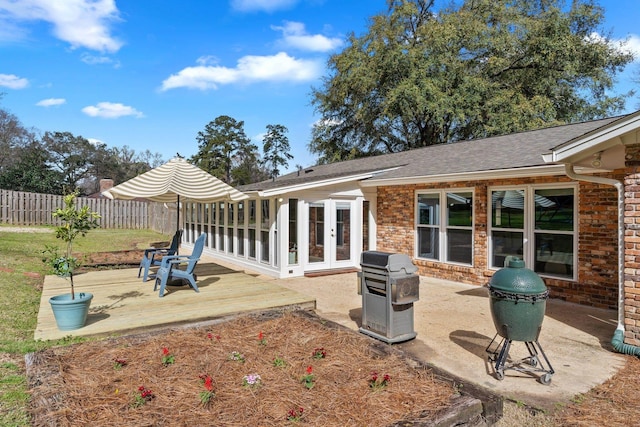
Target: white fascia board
column 469, row 176
column 311, row 185
column 598, row 140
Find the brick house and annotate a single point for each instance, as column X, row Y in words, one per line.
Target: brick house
column 552, row 197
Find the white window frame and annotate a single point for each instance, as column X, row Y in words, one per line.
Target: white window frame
column 443, row 226
column 529, row 230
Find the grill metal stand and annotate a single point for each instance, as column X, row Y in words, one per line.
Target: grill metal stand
column 389, row 288
column 500, row 354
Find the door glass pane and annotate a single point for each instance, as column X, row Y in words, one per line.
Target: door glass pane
column 365, row 225
column 554, row 254
column 554, row 209
column 504, row 244
column 343, row 231
column 316, row 232
column 507, row 209
column 293, row 231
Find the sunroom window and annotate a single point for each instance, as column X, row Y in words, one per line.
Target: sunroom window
column 450, row 240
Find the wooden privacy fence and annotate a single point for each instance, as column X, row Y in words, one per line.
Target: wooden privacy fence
column 21, row 208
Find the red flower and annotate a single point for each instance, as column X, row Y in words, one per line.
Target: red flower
column 165, row 351
column 309, row 369
column 295, row 414
column 260, row 336
column 208, row 383
column 141, row 388
column 210, row 335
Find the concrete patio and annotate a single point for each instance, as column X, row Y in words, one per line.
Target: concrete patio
column 454, row 327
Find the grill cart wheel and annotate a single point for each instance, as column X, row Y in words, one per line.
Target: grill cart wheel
column 545, row 379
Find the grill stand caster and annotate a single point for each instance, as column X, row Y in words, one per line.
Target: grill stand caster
column 499, row 353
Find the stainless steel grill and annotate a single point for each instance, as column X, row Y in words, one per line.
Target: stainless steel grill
column 389, row 288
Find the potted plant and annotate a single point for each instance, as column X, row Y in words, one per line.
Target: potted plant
column 70, row 310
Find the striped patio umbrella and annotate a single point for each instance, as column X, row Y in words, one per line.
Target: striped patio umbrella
column 172, row 181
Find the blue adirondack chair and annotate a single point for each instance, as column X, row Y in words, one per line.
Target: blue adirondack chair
column 153, row 256
column 170, row 267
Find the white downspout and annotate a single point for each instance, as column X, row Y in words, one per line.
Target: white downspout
column 618, row 337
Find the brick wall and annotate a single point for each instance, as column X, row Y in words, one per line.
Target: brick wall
column 596, row 283
column 632, row 247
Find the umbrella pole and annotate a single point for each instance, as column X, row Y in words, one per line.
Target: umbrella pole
column 178, row 223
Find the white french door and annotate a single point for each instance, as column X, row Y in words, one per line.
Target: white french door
column 330, row 234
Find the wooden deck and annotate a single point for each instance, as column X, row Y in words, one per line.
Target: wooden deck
column 122, row 303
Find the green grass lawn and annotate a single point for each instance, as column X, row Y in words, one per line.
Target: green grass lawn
column 21, row 255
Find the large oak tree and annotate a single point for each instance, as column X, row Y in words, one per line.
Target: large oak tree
column 419, row 76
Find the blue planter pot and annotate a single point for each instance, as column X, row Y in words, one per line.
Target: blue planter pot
column 71, row 314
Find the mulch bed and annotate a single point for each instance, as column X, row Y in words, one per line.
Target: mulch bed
column 114, row 259
column 81, row 384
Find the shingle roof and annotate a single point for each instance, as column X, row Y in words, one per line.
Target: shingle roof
column 518, row 150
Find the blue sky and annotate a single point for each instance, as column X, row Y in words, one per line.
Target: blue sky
column 150, row 74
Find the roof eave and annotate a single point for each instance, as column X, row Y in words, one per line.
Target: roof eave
column 545, row 170
column 598, row 140
column 309, row 186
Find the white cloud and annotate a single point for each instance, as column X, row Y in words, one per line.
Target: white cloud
column 633, row 45
column 259, row 137
column 264, row 5
column 51, row 102
column 321, row 123
column 630, row 45
column 110, row 110
column 82, row 23
column 13, row 82
column 295, row 35
column 279, row 67
column 207, row 60
column 97, row 60
column 95, row 142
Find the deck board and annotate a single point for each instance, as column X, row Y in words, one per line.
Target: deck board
column 123, row 303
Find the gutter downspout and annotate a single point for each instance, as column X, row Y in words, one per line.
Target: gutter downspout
column 618, row 337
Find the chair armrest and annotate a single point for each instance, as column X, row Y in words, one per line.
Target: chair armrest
column 173, row 259
column 154, row 251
